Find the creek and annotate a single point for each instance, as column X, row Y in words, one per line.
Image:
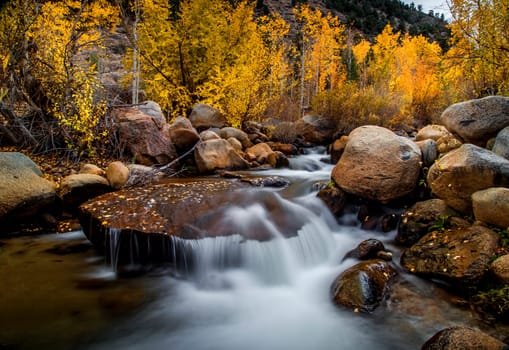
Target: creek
column 241, row 294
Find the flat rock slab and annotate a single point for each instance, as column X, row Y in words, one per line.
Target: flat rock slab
column 147, row 225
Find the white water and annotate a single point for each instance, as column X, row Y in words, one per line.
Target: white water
column 264, row 295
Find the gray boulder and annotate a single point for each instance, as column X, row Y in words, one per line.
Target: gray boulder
column 377, row 164
column 492, row 206
column 23, row 191
column 455, row 338
column 458, row 255
column 476, row 121
column 501, row 145
column 468, row 169
column 217, row 154
column 205, row 117
column 364, row 286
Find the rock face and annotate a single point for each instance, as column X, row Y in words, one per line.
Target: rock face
column 417, row 220
column 23, row 191
column 458, row 255
column 378, row 165
column 468, row 169
column 465, row 338
column 205, row 117
column 217, row 154
column 316, row 129
column 476, row 121
column 363, row 286
column 76, row 189
column 501, row 145
column 492, row 206
column 144, row 135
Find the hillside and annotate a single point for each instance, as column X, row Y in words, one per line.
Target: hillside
column 369, row 17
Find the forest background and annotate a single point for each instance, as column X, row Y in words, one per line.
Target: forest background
column 241, row 57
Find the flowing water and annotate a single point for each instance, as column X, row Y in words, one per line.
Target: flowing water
column 240, row 294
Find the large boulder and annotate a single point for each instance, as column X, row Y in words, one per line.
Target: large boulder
column 364, row 286
column 183, row 135
column 316, row 129
column 24, row 193
column 459, row 255
column 464, row 338
column 492, row 206
column 205, row 117
column 476, row 121
column 240, row 135
column 145, row 136
column 468, row 169
column 217, row 154
column 501, row 145
column 420, row 218
column 378, row 165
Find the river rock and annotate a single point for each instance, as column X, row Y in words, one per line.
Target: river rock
column 446, row 144
column 316, row 129
column 378, row 165
column 76, row 189
column 429, row 151
column 209, row 135
column 235, row 143
column 334, row 198
column 141, row 175
column 278, row 160
column 217, row 154
column 117, row 174
column 145, row 136
column 367, row 249
column 468, row 169
column 91, row 169
column 500, row 269
column 501, row 145
column 205, row 117
column 363, row 286
column 183, row 134
column 286, row 148
column 459, row 255
column 24, row 193
column 337, row 149
column 476, row 121
column 491, row 206
column 417, row 220
column 464, row 338
column 432, row 132
column 240, row 135
column 259, row 152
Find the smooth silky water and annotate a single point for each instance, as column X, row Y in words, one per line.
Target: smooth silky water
column 241, row 294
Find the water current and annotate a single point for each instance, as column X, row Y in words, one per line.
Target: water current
column 271, row 295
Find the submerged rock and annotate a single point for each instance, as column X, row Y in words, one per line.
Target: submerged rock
column 363, row 286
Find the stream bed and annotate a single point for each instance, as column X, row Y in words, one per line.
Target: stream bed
column 58, row 293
